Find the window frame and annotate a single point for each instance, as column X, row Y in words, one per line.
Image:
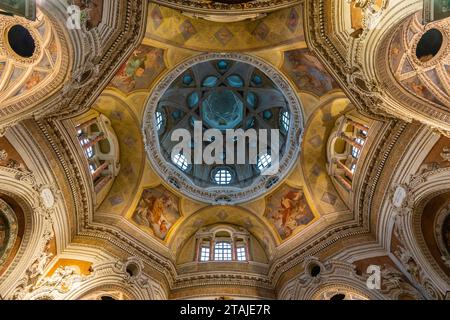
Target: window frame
column 205, row 253
column 285, row 121
column 229, row 176
column 264, row 162
column 183, row 165
column 241, row 253
column 223, row 251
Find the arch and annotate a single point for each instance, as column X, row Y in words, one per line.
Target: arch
column 222, row 242
column 37, row 231
column 400, row 229
column 344, row 148
column 11, row 230
column 336, row 277
column 100, row 146
column 237, row 217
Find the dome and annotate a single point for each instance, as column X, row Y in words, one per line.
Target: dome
column 238, row 118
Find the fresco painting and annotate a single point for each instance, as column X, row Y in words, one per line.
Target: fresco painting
column 157, row 210
column 287, row 209
column 141, row 69
column 307, row 72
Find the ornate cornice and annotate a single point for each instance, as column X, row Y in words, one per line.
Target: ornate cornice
column 223, row 8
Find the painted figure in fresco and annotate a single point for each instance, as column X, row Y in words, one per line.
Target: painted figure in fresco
column 292, row 212
column 308, row 72
column 312, row 68
column 141, row 61
column 33, row 80
column 153, row 211
column 93, row 10
column 128, row 72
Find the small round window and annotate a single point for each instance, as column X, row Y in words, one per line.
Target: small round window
column 429, row 45
column 21, row 41
column 222, row 176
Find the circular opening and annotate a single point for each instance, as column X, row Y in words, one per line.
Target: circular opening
column 21, row 41
column 234, row 99
column 132, row 269
column 339, row 296
column 107, row 298
column 222, row 176
column 314, row 271
column 429, row 45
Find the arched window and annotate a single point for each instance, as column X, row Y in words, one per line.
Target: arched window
column 223, row 244
column 90, row 152
column 355, row 152
column 222, row 251
column 339, row 294
column 180, row 161
column 264, row 162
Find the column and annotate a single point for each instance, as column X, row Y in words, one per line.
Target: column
column 344, row 167
column 102, row 183
column 211, row 250
column 344, row 182
column 93, row 142
column 197, row 251
column 357, row 124
column 350, row 141
column 86, row 124
column 234, row 250
column 247, row 248
column 97, row 173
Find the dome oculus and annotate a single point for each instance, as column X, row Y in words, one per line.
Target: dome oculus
column 221, row 126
